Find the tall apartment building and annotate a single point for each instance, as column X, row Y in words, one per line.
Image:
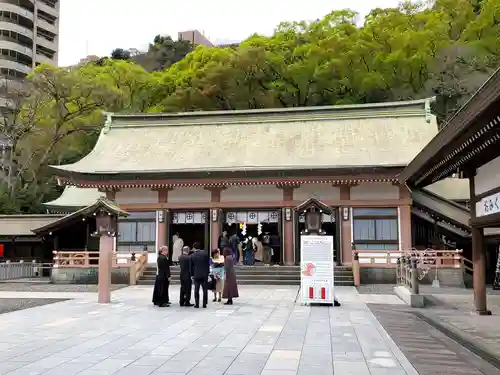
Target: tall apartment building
column 29, row 31
column 195, row 37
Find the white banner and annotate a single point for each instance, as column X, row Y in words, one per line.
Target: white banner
column 317, row 269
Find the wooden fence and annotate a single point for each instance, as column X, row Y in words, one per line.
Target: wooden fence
column 425, row 258
column 136, row 262
column 422, row 259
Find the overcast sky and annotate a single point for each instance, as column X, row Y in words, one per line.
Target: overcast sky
column 96, row 27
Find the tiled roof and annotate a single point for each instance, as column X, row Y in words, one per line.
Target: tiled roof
column 75, row 197
column 22, row 225
column 454, row 189
column 386, row 134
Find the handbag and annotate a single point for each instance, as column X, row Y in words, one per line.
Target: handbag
column 211, row 282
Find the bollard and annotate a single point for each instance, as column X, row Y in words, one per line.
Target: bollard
column 133, row 274
column 34, row 268
column 414, row 277
column 356, row 270
column 398, row 271
column 403, row 270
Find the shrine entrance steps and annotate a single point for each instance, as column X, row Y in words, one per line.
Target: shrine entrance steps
column 259, row 275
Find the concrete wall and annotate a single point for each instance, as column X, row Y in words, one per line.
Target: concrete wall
column 189, row 195
column 318, row 191
column 87, row 276
column 374, row 191
column 269, row 193
column 136, row 195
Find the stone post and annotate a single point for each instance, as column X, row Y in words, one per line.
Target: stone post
column 105, row 268
column 398, row 271
column 106, row 230
column 356, row 269
column 414, row 277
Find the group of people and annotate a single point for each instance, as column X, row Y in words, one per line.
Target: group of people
column 250, row 250
column 197, row 267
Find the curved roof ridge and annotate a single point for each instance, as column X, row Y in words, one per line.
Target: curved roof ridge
column 270, row 114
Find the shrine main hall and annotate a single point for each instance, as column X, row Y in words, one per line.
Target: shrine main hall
column 197, row 174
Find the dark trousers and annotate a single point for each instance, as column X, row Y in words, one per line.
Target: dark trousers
column 165, row 292
column 185, row 296
column 204, row 286
column 160, row 291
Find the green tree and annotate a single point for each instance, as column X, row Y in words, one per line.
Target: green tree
column 120, row 54
column 58, row 115
column 484, row 31
column 163, row 53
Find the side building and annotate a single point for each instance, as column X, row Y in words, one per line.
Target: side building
column 195, row 37
column 198, row 174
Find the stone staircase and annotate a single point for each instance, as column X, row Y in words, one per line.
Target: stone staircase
column 259, row 275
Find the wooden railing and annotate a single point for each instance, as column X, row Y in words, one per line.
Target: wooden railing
column 467, row 265
column 137, row 268
column 136, row 262
column 423, row 259
column 388, row 258
column 407, row 272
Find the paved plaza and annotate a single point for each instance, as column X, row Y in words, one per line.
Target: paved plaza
column 265, row 333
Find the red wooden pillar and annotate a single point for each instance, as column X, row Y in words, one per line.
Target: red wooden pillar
column 405, row 219
column 162, row 220
column 345, row 227
column 215, row 217
column 478, row 254
column 479, row 274
column 288, row 245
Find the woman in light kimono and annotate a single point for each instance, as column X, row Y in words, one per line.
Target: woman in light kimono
column 178, row 244
column 217, row 271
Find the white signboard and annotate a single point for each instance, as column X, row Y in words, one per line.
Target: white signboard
column 488, row 205
column 316, row 269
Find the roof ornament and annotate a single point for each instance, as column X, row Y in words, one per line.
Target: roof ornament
column 427, row 109
column 107, row 122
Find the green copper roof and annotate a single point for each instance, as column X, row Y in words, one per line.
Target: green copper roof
column 370, row 135
column 74, row 197
column 454, row 189
column 101, row 204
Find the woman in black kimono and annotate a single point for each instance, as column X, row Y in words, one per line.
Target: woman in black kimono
column 162, row 281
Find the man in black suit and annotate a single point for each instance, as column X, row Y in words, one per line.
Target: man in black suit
column 162, row 282
column 200, row 269
column 185, row 264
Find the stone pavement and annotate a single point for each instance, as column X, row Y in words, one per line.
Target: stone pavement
column 456, row 313
column 265, row 333
column 429, row 350
column 453, row 308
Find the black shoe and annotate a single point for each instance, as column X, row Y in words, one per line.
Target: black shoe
column 336, row 303
column 204, row 306
column 219, row 300
column 165, row 305
column 196, row 306
column 214, row 300
column 188, row 304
